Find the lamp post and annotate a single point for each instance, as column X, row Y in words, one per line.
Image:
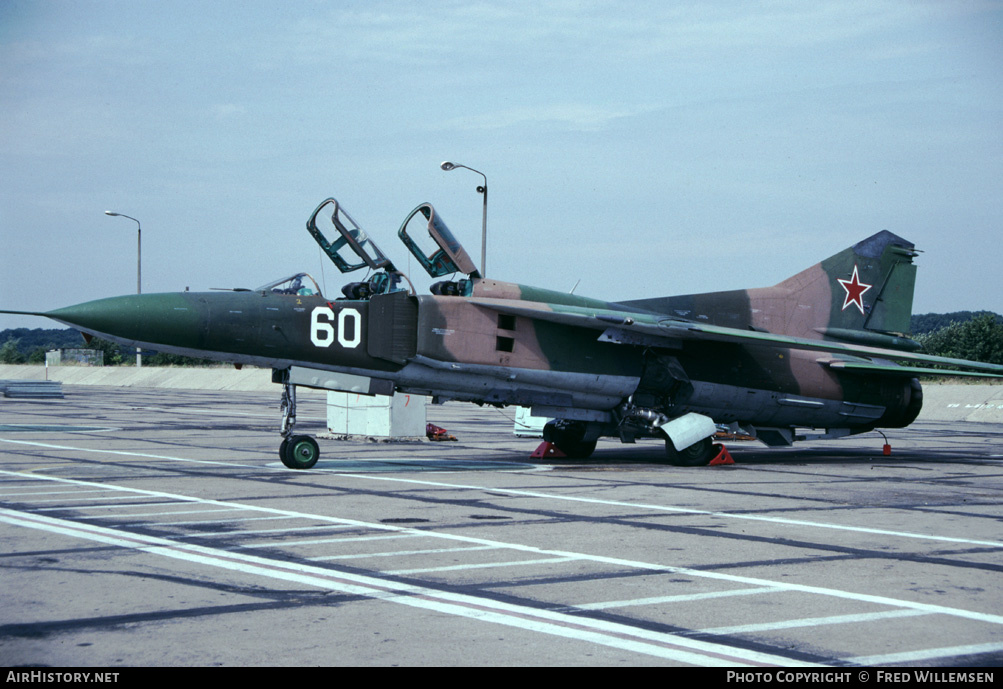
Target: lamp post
column 483, row 190
column 139, row 264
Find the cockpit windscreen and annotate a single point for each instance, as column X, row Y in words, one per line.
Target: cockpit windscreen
column 301, row 284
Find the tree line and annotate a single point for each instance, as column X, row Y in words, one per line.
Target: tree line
column 28, row 346
column 926, row 323
column 978, row 339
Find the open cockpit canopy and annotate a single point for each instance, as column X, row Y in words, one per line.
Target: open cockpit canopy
column 352, row 248
column 426, row 236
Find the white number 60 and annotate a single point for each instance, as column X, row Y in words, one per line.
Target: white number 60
column 322, row 332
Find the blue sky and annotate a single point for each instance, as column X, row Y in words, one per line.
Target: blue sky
column 645, row 149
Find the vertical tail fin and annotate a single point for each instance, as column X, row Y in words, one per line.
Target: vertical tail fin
column 862, row 294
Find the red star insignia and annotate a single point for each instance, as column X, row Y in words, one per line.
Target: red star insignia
column 854, row 290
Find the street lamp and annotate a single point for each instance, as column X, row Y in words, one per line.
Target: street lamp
column 139, row 264
column 483, row 190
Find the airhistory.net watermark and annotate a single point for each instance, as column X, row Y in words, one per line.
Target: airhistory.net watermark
column 48, row 676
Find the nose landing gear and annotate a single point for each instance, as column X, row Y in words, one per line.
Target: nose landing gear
column 296, row 451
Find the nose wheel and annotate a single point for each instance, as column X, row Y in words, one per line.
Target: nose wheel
column 299, row 452
column 296, row 451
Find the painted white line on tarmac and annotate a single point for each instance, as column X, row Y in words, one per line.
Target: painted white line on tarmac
column 169, row 513
column 386, row 537
column 619, row 562
column 231, row 520
column 680, row 598
column 434, row 465
column 403, row 553
column 218, row 412
column 108, row 507
column 481, row 565
column 440, row 466
column 121, row 453
column 682, row 510
column 636, row 640
column 249, row 532
column 550, row 496
column 70, row 501
column 50, row 492
column 813, row 622
column 312, row 541
column 927, row 654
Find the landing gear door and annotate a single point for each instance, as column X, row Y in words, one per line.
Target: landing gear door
column 427, row 237
column 352, row 248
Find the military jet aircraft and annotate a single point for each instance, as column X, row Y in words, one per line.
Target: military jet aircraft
column 824, row 350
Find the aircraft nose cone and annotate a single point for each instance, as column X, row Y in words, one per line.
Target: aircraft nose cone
column 147, row 318
column 104, row 316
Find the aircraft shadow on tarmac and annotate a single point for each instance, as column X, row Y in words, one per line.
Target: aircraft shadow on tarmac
column 743, row 454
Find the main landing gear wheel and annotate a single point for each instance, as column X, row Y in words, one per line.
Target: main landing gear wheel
column 567, row 437
column 299, row 452
column 696, row 455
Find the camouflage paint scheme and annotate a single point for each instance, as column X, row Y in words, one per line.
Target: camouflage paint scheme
column 825, row 349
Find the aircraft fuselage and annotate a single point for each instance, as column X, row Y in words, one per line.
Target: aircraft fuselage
column 454, row 348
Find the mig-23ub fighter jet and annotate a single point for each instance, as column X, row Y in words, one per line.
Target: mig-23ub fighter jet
column 825, row 349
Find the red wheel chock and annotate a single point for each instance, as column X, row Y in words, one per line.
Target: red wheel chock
column 433, row 432
column 547, row 451
column 723, row 456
